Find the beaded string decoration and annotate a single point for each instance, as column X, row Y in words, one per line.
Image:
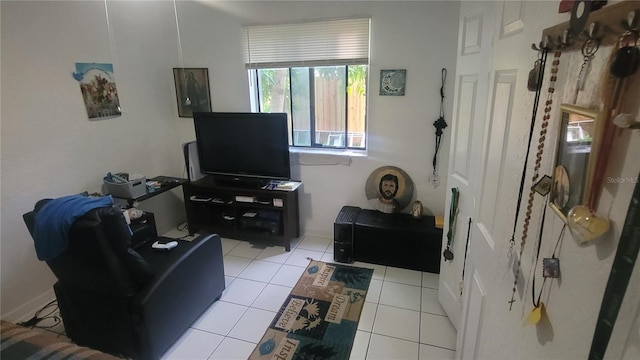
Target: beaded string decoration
column 534, row 114
column 543, row 132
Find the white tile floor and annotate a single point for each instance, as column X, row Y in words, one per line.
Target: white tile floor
column 401, row 319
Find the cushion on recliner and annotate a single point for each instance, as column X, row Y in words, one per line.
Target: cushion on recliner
column 119, row 235
column 98, row 240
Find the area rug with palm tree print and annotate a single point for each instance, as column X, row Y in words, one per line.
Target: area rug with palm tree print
column 319, row 318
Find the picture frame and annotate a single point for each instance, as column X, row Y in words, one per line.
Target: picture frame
column 392, row 82
column 551, row 267
column 192, row 90
column 579, row 133
column 543, row 186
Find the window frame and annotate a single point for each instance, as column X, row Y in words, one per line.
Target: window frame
column 256, row 102
column 313, row 44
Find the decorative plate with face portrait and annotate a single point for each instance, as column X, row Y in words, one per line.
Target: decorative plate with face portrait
column 389, row 189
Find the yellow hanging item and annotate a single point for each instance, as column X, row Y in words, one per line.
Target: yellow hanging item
column 535, row 315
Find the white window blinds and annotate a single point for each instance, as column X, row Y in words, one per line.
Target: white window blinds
column 318, row 43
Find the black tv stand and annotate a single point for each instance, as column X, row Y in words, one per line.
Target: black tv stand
column 244, row 213
column 240, row 182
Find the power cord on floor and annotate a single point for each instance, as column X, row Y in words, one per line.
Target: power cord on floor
column 37, row 318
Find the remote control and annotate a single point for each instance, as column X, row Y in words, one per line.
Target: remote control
column 164, row 246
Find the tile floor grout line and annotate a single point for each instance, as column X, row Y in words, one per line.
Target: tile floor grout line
column 438, row 346
column 268, row 283
column 373, row 323
column 397, row 338
column 420, row 322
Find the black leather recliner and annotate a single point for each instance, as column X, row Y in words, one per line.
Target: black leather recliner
column 133, row 303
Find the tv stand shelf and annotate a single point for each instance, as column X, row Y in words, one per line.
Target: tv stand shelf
column 243, row 213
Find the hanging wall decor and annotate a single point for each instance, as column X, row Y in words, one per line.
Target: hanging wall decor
column 192, row 90
column 440, row 124
column 98, row 89
column 534, row 179
column 392, row 82
column 576, row 156
column 453, row 215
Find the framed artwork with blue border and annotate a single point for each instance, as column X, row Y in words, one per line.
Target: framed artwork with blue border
column 392, row 82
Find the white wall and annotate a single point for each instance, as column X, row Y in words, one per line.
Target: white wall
column 401, row 131
column 50, row 149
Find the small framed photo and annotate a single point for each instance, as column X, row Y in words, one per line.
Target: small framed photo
column 192, row 90
column 543, row 186
column 392, row 82
column 551, row 268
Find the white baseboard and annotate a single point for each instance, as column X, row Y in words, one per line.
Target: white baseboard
column 316, row 232
column 28, row 309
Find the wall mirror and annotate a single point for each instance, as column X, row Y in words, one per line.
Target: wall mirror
column 576, row 156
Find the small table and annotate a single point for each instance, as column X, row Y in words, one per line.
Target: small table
column 167, row 182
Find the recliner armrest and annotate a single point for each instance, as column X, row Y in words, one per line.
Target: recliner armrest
column 188, row 280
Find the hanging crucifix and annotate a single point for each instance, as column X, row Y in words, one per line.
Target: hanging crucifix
column 440, row 125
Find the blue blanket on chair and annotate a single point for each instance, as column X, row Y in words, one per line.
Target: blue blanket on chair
column 54, row 219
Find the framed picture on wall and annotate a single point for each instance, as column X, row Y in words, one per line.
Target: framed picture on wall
column 392, row 82
column 192, row 90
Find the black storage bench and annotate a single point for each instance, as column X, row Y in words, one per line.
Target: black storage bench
column 397, row 240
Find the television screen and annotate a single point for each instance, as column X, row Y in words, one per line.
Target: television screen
column 253, row 145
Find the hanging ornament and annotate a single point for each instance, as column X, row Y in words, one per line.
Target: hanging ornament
column 453, row 215
column 585, row 226
column 541, row 140
column 535, row 75
column 543, row 51
column 536, row 314
column 627, row 56
column 417, row 209
column 440, row 125
column 626, row 121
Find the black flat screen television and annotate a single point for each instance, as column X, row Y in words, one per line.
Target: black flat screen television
column 242, row 147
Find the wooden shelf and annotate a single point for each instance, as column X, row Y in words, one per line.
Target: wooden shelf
column 277, row 220
column 610, row 20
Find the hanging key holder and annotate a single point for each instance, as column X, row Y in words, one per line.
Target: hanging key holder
column 589, row 50
column 627, row 58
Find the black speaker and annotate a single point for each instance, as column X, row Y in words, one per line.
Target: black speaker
column 191, row 161
column 343, row 231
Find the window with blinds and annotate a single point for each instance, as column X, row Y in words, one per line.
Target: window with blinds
column 317, row 73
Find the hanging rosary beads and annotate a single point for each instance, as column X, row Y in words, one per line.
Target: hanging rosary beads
column 543, row 132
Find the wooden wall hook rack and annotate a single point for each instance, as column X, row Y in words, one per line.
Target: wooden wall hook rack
column 613, row 20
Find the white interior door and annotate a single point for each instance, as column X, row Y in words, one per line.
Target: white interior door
column 467, row 141
column 484, row 101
